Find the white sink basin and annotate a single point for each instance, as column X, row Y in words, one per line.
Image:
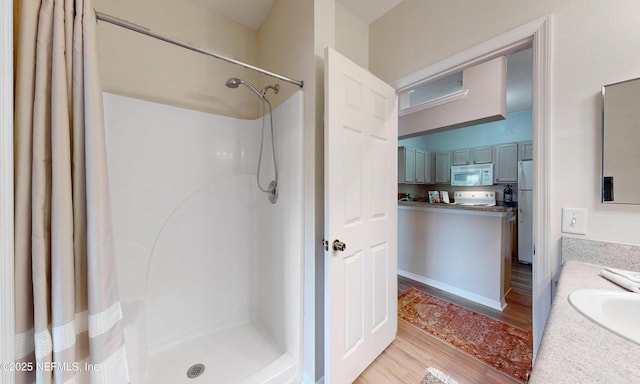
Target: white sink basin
column 619, row 312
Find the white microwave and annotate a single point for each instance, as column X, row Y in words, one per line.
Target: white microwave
column 471, row 175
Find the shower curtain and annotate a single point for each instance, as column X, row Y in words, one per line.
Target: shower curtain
column 69, row 326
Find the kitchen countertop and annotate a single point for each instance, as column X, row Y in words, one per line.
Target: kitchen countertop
column 576, row 350
column 495, row 208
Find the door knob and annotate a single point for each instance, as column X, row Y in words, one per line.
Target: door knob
column 339, row 245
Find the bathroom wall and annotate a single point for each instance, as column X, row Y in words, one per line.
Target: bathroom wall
column 138, row 66
column 135, row 65
column 286, row 50
column 352, row 36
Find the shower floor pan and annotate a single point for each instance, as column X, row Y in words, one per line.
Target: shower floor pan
column 241, row 354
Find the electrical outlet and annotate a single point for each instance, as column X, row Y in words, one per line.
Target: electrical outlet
column 574, row 220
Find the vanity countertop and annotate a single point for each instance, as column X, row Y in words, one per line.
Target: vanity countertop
column 576, row 350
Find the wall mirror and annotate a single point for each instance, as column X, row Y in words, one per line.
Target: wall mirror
column 621, row 142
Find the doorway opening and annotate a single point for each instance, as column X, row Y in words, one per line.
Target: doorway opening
column 536, row 36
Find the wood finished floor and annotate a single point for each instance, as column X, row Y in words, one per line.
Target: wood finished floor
column 413, row 350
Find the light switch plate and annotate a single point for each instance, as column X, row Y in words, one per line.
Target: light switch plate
column 574, row 220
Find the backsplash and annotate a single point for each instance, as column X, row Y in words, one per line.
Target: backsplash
column 419, row 190
column 623, row 256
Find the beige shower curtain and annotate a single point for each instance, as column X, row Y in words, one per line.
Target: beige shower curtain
column 69, row 326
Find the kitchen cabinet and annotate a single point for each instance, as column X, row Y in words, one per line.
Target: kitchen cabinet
column 421, row 167
column 479, row 155
column 526, row 150
column 414, row 166
column 420, row 155
column 406, row 165
column 428, row 168
column 482, row 155
column 505, row 166
column 443, row 168
column 461, row 157
column 424, row 167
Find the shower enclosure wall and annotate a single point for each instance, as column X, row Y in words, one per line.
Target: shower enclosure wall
column 210, row 271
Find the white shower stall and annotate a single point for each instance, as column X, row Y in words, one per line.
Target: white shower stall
column 210, row 271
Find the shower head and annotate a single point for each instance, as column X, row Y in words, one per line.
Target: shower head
column 235, row 83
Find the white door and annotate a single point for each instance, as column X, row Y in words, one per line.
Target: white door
column 361, row 134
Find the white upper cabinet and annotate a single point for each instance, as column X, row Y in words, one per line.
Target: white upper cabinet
column 526, row 150
column 414, row 166
column 479, row 155
column 461, row 157
column 443, row 168
column 420, row 155
column 406, row 165
column 421, row 167
column 428, row 168
column 482, row 155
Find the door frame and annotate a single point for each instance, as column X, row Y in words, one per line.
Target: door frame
column 7, row 325
column 537, row 32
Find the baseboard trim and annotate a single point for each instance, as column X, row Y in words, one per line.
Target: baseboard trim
column 493, row 304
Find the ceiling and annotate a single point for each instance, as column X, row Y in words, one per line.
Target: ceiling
column 251, row 13
column 369, row 10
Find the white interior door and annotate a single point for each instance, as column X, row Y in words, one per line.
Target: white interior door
column 361, row 134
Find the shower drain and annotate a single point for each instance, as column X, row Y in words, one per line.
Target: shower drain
column 195, row 370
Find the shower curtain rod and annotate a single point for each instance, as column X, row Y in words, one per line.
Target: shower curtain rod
column 145, row 31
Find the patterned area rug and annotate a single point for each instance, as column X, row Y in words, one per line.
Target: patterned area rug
column 504, row 347
column 435, row 376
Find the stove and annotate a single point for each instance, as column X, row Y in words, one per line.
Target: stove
column 478, row 198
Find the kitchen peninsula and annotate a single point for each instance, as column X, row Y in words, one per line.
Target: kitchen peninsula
column 464, row 250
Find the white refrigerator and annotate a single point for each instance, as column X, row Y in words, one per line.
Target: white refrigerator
column 525, row 211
